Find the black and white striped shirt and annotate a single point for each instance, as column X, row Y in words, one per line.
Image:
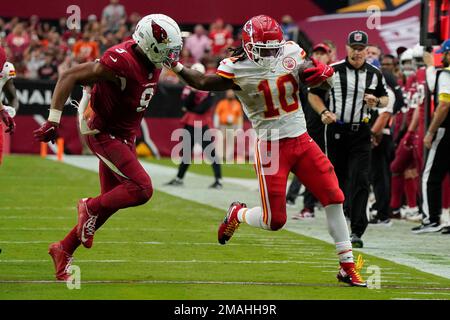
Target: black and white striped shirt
column 350, row 85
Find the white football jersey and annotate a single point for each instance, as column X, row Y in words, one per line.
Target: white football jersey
column 270, row 97
column 6, row 73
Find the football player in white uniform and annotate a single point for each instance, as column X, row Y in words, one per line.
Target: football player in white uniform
column 265, row 74
column 7, row 73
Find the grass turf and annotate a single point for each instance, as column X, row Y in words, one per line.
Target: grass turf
column 167, row 249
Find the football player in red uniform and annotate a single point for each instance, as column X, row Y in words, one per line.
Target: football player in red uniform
column 123, row 80
column 265, row 74
column 408, row 160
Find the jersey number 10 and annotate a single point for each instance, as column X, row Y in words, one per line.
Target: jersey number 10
column 272, row 110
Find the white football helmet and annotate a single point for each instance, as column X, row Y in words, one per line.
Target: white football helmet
column 406, row 63
column 418, row 55
column 159, row 36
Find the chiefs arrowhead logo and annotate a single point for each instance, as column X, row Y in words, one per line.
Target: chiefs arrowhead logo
column 289, row 63
column 248, row 28
column 159, row 33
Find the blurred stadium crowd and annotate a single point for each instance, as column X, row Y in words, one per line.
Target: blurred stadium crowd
column 44, row 49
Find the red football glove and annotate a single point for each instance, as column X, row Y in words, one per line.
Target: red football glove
column 47, row 132
column 8, row 121
column 316, row 75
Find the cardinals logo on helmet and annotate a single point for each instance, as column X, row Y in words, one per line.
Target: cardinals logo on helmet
column 159, row 33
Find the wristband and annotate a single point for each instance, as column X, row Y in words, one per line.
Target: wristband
column 326, row 110
column 54, row 115
column 178, row 67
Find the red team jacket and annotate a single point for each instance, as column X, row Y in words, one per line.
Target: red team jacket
column 119, row 110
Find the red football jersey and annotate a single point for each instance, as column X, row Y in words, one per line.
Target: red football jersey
column 119, row 109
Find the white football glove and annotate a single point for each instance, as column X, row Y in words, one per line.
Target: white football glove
column 11, row 111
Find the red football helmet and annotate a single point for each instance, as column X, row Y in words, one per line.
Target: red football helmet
column 263, row 40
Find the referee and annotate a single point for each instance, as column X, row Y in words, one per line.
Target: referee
column 358, row 87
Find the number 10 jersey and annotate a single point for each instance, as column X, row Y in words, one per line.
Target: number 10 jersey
column 270, row 97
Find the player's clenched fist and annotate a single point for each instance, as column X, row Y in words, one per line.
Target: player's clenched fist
column 47, row 132
column 317, row 73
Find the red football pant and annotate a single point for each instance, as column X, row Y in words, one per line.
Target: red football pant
column 405, row 158
column 124, row 182
column 303, row 157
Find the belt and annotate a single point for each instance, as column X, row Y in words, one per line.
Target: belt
column 351, row 126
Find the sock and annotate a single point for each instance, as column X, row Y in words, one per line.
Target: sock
column 344, row 251
column 411, row 186
column 338, row 229
column 397, row 187
column 71, row 242
column 252, row 217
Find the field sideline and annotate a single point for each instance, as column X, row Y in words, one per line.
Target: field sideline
column 167, row 249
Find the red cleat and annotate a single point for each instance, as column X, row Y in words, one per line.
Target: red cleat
column 61, row 259
column 349, row 273
column 86, row 224
column 230, row 223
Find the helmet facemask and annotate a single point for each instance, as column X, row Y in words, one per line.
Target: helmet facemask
column 164, row 56
column 265, row 55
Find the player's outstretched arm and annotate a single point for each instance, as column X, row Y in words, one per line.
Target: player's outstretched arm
column 197, row 80
column 84, row 74
column 10, row 93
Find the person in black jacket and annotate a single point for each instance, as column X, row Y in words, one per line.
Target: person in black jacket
column 197, row 120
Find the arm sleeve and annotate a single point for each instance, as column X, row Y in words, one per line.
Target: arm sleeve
column 444, row 86
column 226, row 69
column 115, row 62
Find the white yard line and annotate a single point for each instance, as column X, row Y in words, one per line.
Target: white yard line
column 429, row 252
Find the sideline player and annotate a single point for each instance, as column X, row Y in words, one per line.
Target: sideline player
column 264, row 73
column 7, row 113
column 123, row 82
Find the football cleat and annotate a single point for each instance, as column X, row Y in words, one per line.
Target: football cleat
column 427, row 227
column 62, row 261
column 356, row 241
column 216, row 185
column 230, row 223
column 446, row 230
column 378, row 222
column 86, row 224
column 413, row 214
column 304, row 214
column 349, row 273
column 175, row 182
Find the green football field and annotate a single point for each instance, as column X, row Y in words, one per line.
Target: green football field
column 167, row 249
